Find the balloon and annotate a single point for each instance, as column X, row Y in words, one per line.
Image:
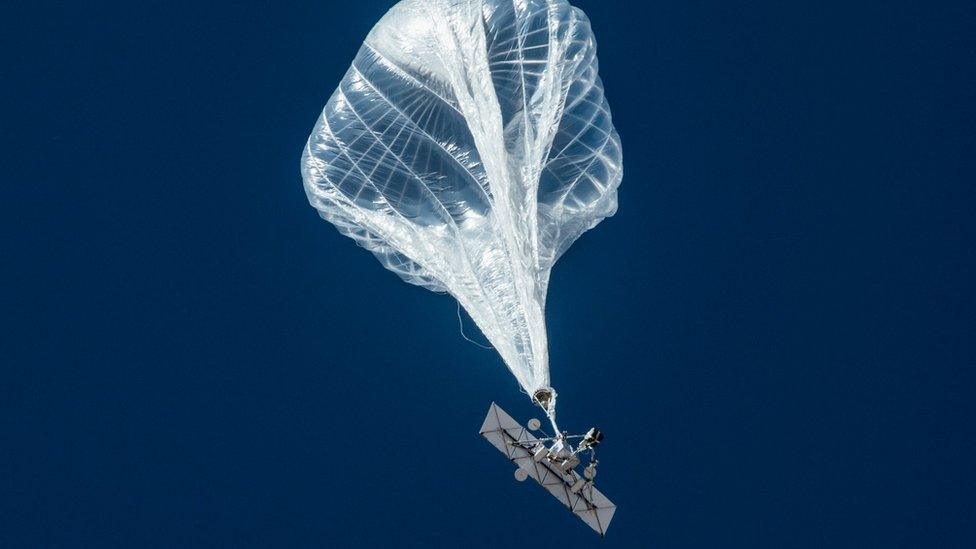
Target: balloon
column 468, row 146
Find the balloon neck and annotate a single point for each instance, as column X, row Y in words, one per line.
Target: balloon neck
column 545, row 397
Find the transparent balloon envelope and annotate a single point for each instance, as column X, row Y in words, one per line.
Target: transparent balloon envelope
column 467, row 147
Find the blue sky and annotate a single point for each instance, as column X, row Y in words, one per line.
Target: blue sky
column 775, row 332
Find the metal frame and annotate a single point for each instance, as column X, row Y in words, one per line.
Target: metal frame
column 518, row 445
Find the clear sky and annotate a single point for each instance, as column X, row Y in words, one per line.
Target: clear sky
column 776, row 331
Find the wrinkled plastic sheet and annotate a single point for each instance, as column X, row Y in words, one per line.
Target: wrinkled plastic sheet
column 467, row 147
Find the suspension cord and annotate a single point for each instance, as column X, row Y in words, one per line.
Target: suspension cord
column 461, row 326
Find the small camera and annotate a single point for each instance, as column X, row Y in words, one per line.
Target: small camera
column 592, row 438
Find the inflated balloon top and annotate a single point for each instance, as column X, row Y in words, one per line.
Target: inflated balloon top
column 468, row 146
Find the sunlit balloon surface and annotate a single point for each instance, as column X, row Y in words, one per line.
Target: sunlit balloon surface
column 468, row 146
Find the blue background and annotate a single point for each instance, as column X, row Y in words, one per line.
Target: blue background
column 776, row 331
